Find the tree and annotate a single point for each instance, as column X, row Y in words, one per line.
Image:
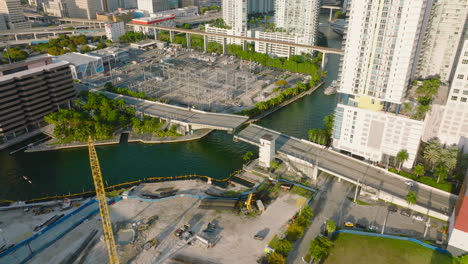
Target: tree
column 401, row 157
column 318, row 136
column 429, row 88
column 56, row 51
column 281, row 83
column 282, row 246
column 101, row 45
column 275, row 258
column 441, row 173
column 85, row 49
column 320, row 247
column 15, row 54
column 248, row 156
column 275, row 165
column 294, row 232
column 431, row 153
column 419, row 170
column 328, row 122
column 186, row 26
column 411, row 197
column 331, row 226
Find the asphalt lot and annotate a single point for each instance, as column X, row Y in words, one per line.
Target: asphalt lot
column 332, row 202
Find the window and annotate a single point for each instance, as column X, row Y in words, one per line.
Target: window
column 456, row 91
column 465, row 92
column 460, row 76
column 454, row 98
column 464, row 61
column 463, row 99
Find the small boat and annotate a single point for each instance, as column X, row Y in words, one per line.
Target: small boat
column 331, row 89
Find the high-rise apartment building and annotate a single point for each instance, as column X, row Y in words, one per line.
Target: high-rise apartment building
column 235, row 14
column 12, row 15
column 442, row 37
column 85, row 9
column 153, row 6
column 30, row 90
column 115, row 30
column 261, row 6
column 449, row 122
column 381, row 47
column 300, row 18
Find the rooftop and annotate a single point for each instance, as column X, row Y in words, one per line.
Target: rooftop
column 76, row 59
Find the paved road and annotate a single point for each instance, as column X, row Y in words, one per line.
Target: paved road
column 352, row 169
column 198, row 118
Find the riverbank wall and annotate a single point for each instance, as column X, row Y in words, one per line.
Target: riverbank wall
column 133, row 138
column 283, row 104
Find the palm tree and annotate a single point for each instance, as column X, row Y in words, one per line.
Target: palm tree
column 432, row 153
column 411, row 197
column 441, row 173
column 419, row 170
column 402, row 156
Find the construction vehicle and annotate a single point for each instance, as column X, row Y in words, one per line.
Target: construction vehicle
column 248, row 203
column 102, row 201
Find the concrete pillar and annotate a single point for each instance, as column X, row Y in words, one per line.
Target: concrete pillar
column 224, row 45
column 244, row 44
column 267, row 150
column 331, row 14
column 356, row 192
column 54, row 33
column 324, row 56
column 16, row 37
column 189, row 44
column 205, row 42
column 155, row 34
column 315, row 172
column 35, row 36
column 339, row 179
column 171, row 36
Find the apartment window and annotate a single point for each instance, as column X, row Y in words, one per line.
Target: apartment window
column 463, row 99
column 465, row 92
column 456, row 91
column 464, row 61
column 454, row 98
column 460, row 76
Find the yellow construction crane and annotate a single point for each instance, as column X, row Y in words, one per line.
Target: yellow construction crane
column 104, row 210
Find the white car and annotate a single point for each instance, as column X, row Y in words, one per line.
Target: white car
column 409, row 183
column 417, row 217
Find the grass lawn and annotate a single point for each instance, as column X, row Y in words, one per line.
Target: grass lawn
column 350, row 248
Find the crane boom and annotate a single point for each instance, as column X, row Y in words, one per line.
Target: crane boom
column 102, row 200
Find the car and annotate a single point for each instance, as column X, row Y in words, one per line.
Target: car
column 361, row 226
column 348, row 224
column 409, row 183
column 418, row 217
column 405, row 212
column 392, row 208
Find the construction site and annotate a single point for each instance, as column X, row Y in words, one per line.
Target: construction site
column 193, row 219
column 205, row 81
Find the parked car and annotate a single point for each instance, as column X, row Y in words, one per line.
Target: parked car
column 405, row 212
column 360, row 226
column 418, row 217
column 348, row 224
column 393, row 208
column 409, row 183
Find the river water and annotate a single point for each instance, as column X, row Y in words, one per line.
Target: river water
column 67, row 171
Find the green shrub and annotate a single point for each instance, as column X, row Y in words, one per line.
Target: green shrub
column 275, row 258
column 281, row 246
column 294, row 232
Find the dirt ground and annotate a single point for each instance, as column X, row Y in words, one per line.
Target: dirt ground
column 233, row 237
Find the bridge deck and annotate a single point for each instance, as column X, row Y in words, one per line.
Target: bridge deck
column 194, row 117
column 350, row 168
